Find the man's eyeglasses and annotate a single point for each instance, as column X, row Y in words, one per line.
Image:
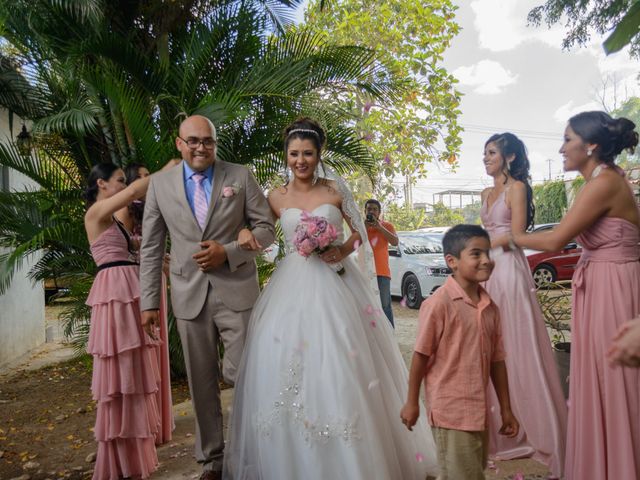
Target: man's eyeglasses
column 194, row 143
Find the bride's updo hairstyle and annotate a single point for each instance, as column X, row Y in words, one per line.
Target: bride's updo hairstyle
column 305, row 128
column 612, row 135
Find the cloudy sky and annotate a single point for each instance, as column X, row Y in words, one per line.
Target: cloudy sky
column 517, row 78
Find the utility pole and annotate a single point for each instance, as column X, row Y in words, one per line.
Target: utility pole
column 408, row 191
column 549, row 162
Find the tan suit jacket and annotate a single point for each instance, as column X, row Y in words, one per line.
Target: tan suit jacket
column 167, row 211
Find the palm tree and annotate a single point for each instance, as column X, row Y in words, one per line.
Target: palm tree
column 109, row 81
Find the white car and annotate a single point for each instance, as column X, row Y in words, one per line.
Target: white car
column 434, row 229
column 417, row 266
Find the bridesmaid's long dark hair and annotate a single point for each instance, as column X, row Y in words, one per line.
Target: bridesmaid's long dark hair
column 509, row 144
column 100, row 171
column 136, row 208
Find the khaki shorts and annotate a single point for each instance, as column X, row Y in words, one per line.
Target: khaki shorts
column 461, row 455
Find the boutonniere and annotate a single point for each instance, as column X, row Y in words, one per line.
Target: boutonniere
column 231, row 190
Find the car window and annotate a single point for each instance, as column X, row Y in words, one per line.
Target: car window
column 420, row 244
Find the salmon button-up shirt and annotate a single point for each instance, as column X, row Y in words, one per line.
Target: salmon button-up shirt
column 461, row 340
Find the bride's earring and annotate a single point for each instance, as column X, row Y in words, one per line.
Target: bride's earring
column 589, row 152
column 285, row 175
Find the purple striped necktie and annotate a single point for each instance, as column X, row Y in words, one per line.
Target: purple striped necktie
column 200, row 207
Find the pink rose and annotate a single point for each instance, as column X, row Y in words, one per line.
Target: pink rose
column 227, row 192
column 312, row 228
column 307, row 247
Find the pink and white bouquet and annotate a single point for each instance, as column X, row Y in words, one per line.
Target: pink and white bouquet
column 314, row 234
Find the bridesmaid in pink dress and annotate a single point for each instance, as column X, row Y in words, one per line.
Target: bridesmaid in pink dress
column 131, row 217
column 604, row 414
column 125, row 369
column 534, row 384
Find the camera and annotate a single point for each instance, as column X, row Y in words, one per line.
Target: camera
column 370, row 218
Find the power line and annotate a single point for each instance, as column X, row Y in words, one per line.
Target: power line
column 521, row 130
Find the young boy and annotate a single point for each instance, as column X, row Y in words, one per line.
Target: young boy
column 459, row 346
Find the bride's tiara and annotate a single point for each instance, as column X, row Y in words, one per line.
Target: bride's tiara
column 303, row 130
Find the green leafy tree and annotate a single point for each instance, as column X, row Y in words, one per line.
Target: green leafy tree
column 411, row 37
column 471, row 213
column 404, row 217
column 630, row 109
column 443, row 216
column 110, row 81
column 550, row 199
column 582, row 17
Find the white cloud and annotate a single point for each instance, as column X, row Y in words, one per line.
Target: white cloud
column 488, row 76
column 568, row 110
column 502, row 25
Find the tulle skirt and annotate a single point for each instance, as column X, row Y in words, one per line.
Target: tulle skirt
column 321, row 385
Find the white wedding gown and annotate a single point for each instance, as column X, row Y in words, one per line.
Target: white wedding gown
column 322, row 380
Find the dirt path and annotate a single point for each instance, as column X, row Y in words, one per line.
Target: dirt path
column 47, row 416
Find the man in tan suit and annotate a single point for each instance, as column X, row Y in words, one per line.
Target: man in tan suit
column 203, row 204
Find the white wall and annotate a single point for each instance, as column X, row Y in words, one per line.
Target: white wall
column 22, row 321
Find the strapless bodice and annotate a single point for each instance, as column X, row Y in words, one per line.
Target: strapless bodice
column 290, row 218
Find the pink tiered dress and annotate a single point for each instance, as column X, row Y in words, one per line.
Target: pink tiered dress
column 604, row 414
column 126, row 376
column 165, row 402
column 536, row 394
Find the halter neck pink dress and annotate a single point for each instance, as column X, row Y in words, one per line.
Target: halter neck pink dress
column 604, row 413
column 536, row 394
column 126, row 377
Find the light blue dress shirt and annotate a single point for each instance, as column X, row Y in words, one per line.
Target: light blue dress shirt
column 190, row 184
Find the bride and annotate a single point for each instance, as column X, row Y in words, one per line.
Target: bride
column 322, row 381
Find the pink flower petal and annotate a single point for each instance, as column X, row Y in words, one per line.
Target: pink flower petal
column 403, row 302
column 373, row 323
column 356, row 244
column 374, row 241
column 369, row 310
column 419, row 457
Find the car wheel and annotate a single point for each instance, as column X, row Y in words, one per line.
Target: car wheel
column 544, row 274
column 411, row 291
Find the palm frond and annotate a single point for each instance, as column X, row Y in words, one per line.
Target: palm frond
column 51, row 172
column 84, row 10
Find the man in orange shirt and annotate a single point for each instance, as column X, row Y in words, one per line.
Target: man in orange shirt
column 381, row 234
column 459, row 347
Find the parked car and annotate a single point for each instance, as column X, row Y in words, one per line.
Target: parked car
column 434, row 229
column 548, row 267
column 417, row 266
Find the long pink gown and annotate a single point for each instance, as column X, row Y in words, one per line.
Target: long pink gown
column 165, row 402
column 536, row 394
column 164, row 399
column 126, row 376
column 604, row 414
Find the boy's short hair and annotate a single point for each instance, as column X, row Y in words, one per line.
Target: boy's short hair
column 456, row 238
column 374, row 202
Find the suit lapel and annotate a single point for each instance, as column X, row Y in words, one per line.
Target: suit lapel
column 183, row 203
column 219, row 172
